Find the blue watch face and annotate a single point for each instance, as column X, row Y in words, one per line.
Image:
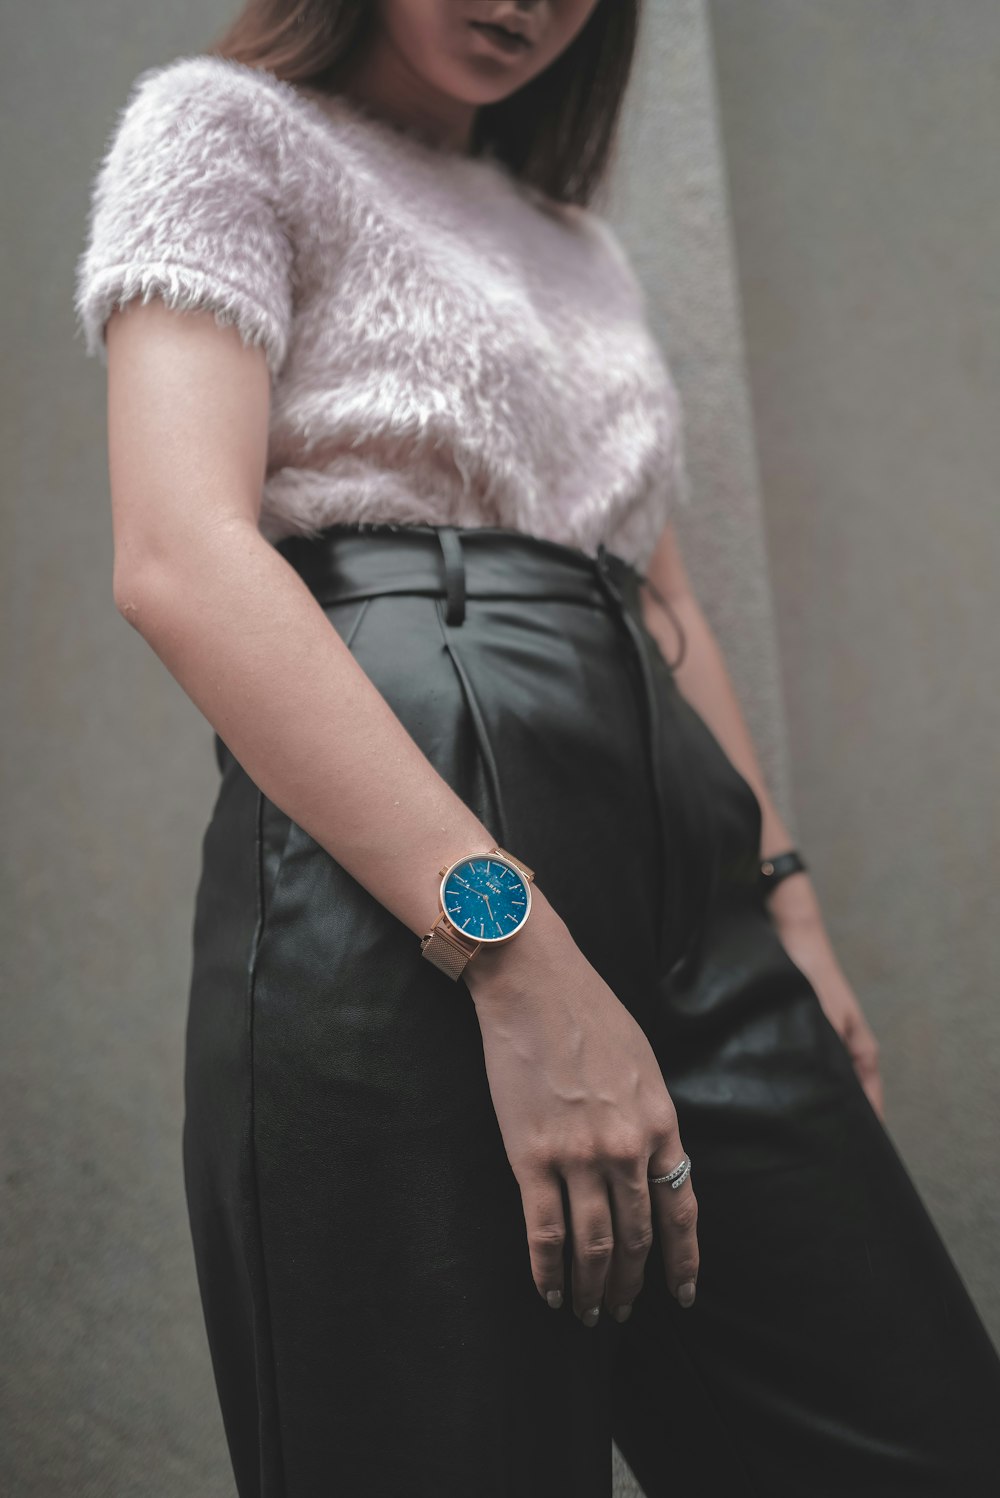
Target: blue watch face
column 485, row 898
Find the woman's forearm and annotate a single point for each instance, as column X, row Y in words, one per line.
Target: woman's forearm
column 704, row 679
column 241, row 633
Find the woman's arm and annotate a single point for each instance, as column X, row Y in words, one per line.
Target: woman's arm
column 579, row 1096
column 705, row 681
column 243, row 635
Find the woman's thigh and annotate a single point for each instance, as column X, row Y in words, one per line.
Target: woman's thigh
column 411, row 1350
column 832, row 1347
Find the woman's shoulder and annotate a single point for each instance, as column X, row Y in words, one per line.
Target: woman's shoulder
column 308, row 141
column 193, row 92
column 190, row 202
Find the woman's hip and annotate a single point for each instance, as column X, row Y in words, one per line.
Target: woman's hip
column 523, row 672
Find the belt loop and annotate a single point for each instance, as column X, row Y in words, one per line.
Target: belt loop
column 454, row 573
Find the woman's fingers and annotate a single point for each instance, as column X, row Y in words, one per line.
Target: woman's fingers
column 633, row 1217
column 609, row 1230
column 592, row 1229
column 541, row 1197
column 861, row 1042
column 676, row 1215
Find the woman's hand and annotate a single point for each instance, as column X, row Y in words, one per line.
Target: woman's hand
column 804, row 938
column 580, row 1099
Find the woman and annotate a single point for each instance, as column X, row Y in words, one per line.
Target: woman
column 485, row 976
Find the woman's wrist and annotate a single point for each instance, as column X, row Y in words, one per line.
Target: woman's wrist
column 496, row 973
column 794, row 902
column 791, row 898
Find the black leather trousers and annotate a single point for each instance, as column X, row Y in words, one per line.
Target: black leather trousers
column 358, row 1232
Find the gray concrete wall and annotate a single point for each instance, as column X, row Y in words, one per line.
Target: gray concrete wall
column 862, row 142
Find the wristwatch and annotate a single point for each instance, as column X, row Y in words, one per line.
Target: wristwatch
column 485, row 899
column 778, row 867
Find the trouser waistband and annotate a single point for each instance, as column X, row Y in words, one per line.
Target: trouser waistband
column 345, row 562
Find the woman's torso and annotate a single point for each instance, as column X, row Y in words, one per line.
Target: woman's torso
column 455, row 346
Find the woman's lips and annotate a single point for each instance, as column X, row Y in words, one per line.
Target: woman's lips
column 506, row 41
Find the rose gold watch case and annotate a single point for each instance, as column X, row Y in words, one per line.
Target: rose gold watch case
column 484, row 941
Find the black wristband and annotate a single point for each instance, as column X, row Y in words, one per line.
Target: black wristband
column 773, row 870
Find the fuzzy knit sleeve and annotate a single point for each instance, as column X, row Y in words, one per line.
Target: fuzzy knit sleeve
column 185, row 205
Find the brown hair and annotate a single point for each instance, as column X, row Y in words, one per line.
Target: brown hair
column 556, row 134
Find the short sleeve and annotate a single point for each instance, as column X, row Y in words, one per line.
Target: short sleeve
column 186, row 205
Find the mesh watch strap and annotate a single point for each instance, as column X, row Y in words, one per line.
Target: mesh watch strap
column 444, row 948
column 447, row 948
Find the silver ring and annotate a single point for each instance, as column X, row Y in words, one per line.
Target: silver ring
column 676, row 1177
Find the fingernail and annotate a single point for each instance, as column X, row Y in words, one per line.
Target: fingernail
column 685, row 1293
column 622, row 1313
column 554, row 1298
column 589, row 1318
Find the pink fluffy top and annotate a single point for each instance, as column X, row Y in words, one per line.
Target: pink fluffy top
column 445, row 344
